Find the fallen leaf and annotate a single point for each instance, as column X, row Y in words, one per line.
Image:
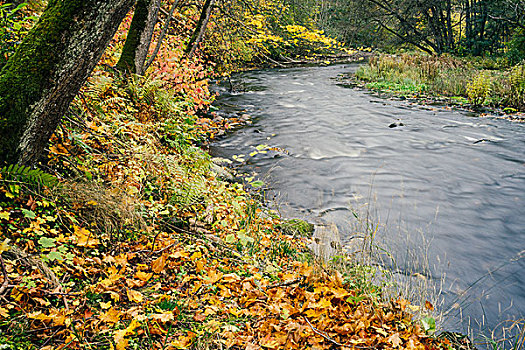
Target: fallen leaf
column 143, row 276
column 395, row 340
column 163, row 317
column 110, row 316
column 134, row 295
column 85, row 238
column 158, row 265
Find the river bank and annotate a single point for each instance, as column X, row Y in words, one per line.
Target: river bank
column 483, row 86
column 439, row 176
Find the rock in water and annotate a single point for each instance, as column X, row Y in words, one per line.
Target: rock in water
column 326, row 241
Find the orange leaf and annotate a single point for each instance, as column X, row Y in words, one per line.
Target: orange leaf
column 213, row 276
column 158, row 265
column 143, row 276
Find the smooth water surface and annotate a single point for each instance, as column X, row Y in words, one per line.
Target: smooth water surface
column 457, row 179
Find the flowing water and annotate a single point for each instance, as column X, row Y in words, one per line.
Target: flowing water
column 456, row 179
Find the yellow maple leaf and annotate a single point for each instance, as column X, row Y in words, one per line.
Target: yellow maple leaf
column 110, row 316
column 104, row 305
column 4, row 246
column 120, row 335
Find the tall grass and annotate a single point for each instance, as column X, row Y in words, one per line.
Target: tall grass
column 482, row 82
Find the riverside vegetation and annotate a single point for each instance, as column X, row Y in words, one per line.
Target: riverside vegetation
column 478, row 82
column 123, row 237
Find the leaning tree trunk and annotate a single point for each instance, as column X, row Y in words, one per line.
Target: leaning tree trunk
column 41, row 79
column 137, row 44
column 200, row 29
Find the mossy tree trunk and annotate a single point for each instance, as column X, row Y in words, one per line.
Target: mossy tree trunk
column 137, row 43
column 49, row 67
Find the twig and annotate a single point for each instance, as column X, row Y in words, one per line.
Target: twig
column 286, row 283
column 324, row 335
column 4, row 273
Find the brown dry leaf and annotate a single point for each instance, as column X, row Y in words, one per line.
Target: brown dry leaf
column 158, row 265
column 395, row 340
column 402, row 303
column 134, row 295
column 252, row 346
column 428, row 305
column 199, row 317
column 163, row 317
column 269, row 342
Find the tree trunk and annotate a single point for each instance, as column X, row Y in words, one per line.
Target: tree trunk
column 450, row 31
column 162, row 35
column 137, row 43
column 41, row 79
column 200, row 29
column 468, row 25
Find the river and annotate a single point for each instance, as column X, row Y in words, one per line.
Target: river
column 442, row 177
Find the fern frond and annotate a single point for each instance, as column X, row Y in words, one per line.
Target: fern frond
column 21, row 173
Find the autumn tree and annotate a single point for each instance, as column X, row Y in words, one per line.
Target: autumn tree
column 136, row 47
column 40, row 80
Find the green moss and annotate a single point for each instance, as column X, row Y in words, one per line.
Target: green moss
column 297, row 227
column 126, row 62
column 29, row 72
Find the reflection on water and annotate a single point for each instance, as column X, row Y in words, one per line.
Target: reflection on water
column 457, row 178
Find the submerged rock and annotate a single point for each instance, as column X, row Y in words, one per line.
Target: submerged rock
column 326, row 241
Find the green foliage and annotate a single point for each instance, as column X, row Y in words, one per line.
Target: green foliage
column 297, row 227
column 474, row 80
column 24, row 174
column 516, row 47
column 479, row 89
column 429, row 324
column 517, row 86
column 13, row 27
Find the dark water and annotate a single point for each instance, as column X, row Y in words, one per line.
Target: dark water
column 457, row 179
